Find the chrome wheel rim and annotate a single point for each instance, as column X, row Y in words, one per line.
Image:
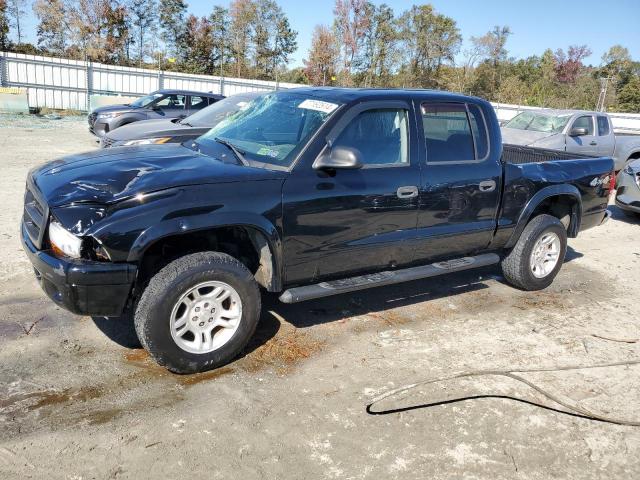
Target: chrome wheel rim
column 206, row 317
column 545, row 255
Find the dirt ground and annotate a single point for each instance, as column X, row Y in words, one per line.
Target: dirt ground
column 80, row 400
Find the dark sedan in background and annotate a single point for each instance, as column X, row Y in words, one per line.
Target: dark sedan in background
column 162, row 104
column 177, row 130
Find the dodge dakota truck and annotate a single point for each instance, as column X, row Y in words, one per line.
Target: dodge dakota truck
column 308, row 193
column 572, row 131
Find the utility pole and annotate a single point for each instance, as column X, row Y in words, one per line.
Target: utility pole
column 604, row 83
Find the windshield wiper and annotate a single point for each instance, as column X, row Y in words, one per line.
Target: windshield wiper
column 236, row 151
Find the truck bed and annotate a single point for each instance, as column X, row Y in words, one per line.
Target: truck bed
column 517, row 154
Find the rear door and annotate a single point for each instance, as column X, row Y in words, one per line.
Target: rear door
column 461, row 181
column 584, row 144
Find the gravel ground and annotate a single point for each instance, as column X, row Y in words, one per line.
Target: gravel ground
column 80, row 400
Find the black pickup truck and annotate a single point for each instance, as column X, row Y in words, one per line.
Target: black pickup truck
column 308, row 193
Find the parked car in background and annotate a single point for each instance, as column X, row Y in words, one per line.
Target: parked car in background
column 177, row 130
column 161, row 104
column 586, row 133
column 628, row 189
column 307, row 192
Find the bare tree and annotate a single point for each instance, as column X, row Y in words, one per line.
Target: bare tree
column 16, row 11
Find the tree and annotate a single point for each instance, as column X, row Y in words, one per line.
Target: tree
column 569, row 65
column 53, row 29
column 285, row 42
column 322, row 63
column 350, row 25
column 4, row 26
column 428, row 40
column 16, row 12
column 220, row 52
column 380, row 41
column 242, row 14
column 492, row 47
column 629, row 96
column 171, row 14
column 143, row 19
column 198, row 45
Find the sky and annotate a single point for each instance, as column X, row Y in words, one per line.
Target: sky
column 535, row 25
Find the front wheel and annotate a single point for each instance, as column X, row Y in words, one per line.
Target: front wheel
column 538, row 255
column 198, row 312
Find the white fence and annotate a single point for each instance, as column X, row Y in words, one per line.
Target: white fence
column 69, row 84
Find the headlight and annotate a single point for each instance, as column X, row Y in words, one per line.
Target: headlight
column 147, row 141
column 64, row 242
column 109, row 115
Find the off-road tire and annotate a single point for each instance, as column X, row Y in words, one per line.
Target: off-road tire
column 153, row 311
column 516, row 267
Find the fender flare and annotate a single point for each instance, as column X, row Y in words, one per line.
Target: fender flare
column 197, row 223
column 537, row 199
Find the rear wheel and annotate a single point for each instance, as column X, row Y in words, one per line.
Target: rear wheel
column 198, row 312
column 538, row 255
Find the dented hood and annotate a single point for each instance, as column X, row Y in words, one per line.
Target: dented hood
column 108, row 176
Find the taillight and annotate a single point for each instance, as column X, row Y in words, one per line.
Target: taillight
column 612, row 182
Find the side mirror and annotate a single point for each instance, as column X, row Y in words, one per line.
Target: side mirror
column 339, row 158
column 578, row 132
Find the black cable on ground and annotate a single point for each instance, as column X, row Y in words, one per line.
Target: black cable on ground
column 573, row 410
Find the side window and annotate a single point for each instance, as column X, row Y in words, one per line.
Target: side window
column 381, row 136
column 479, row 129
column 447, row 132
column 584, row 122
column 603, row 126
column 198, row 103
column 172, row 101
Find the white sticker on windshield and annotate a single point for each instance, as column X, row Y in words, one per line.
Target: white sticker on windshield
column 318, row 105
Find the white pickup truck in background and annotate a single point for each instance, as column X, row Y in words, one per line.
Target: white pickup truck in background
column 587, row 133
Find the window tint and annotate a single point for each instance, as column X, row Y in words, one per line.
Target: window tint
column 447, row 132
column 584, row 122
column 380, row 135
column 172, row 101
column 479, row 130
column 198, row 102
column 603, row 125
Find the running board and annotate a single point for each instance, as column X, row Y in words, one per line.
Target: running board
column 335, row 287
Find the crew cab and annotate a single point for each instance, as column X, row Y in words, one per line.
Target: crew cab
column 586, row 133
column 308, row 192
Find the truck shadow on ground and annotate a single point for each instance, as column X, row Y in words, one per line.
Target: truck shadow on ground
column 335, row 308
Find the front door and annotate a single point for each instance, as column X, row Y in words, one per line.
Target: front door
column 461, row 181
column 583, row 144
column 346, row 222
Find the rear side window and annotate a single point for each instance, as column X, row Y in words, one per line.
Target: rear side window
column 447, row 133
column 603, row 125
column 198, row 102
column 584, row 122
column 479, row 129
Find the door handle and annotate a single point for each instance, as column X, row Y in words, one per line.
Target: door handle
column 487, row 186
column 407, row 192
column 594, row 143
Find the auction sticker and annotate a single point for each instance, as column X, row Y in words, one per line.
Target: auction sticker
column 318, row 105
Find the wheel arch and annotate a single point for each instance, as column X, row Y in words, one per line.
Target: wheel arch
column 255, row 245
column 561, row 201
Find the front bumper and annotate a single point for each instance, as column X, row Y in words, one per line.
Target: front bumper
column 627, row 193
column 81, row 286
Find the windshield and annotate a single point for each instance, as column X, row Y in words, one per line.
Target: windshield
column 146, row 100
column 273, row 128
column 210, row 116
column 538, row 122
